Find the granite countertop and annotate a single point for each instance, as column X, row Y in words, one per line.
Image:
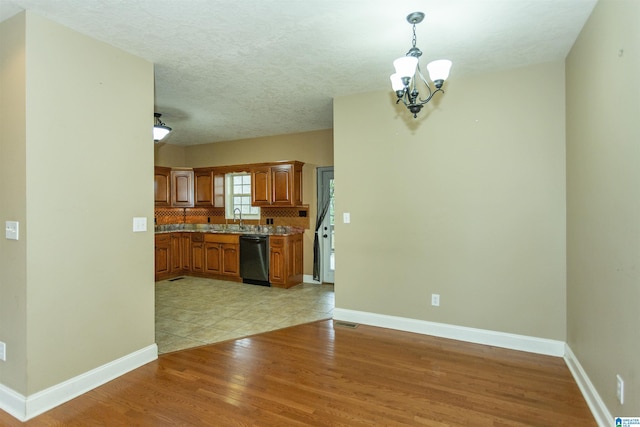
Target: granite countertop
column 229, row 229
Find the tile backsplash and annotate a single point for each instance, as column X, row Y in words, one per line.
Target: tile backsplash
column 293, row 217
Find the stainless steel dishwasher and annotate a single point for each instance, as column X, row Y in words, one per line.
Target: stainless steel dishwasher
column 254, row 259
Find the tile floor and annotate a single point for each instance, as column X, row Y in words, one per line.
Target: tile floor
column 193, row 311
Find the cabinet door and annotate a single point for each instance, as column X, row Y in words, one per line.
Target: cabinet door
column 203, row 187
column 218, row 189
column 181, row 188
column 261, row 186
column 212, row 258
column 282, row 185
column 297, row 185
column 175, row 253
column 161, row 186
column 185, row 249
column 277, row 263
column 162, row 254
column 296, row 255
column 230, row 259
column 197, row 257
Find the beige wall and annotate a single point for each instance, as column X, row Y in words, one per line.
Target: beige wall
column 89, row 279
column 603, row 209
column 13, row 205
column 169, row 155
column 467, row 201
column 315, row 149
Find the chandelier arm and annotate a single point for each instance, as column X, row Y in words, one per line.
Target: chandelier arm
column 424, row 101
column 431, row 92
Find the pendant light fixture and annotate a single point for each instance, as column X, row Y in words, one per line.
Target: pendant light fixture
column 160, row 130
column 408, row 76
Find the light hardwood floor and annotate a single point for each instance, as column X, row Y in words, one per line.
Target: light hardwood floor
column 318, row 374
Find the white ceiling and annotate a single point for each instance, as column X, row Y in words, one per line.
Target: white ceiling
column 232, row 69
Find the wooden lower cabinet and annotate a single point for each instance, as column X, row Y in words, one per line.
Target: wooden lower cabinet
column 185, row 250
column 197, row 253
column 175, row 254
column 218, row 256
column 277, row 262
column 285, row 260
column 163, row 256
column 180, row 253
column 222, row 255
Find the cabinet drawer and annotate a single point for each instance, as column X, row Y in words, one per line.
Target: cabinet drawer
column 163, row 238
column 276, row 241
column 221, row 238
column 197, row 237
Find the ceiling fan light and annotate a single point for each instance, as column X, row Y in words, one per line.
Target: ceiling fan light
column 160, row 131
column 406, row 66
column 439, row 69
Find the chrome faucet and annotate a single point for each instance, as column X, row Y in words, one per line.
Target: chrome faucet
column 240, row 214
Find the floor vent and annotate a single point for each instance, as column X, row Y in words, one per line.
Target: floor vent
column 348, row 325
column 177, row 278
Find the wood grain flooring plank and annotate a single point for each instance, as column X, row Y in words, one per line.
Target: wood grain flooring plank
column 320, row 375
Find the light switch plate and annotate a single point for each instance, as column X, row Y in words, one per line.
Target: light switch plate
column 346, row 217
column 12, row 230
column 139, row 224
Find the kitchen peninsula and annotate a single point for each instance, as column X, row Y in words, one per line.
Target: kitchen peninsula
column 194, row 236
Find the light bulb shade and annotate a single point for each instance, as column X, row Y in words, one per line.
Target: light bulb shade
column 406, row 66
column 160, row 131
column 439, row 70
column 396, row 82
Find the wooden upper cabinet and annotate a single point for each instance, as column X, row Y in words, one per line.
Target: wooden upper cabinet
column 203, row 187
column 208, row 187
column 162, row 186
column 182, row 188
column 282, row 185
column 218, row 188
column 261, row 186
column 297, row 184
column 272, row 184
column 277, row 184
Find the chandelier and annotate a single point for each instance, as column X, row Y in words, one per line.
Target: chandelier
column 408, row 75
column 160, row 130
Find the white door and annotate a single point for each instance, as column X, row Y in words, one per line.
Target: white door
column 326, row 232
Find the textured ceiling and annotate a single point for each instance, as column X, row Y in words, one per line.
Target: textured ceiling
column 230, row 69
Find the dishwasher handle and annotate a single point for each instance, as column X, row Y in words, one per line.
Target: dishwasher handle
column 254, row 238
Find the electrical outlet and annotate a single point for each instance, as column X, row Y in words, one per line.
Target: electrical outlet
column 620, row 389
column 435, row 300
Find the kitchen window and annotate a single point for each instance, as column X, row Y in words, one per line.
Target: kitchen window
column 238, row 195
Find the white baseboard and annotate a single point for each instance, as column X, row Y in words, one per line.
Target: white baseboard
column 24, row 408
column 308, row 278
column 461, row 333
column 598, row 408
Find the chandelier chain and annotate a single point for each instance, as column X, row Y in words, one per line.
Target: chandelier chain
column 413, row 41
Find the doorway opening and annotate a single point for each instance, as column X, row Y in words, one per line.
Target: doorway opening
column 324, row 263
